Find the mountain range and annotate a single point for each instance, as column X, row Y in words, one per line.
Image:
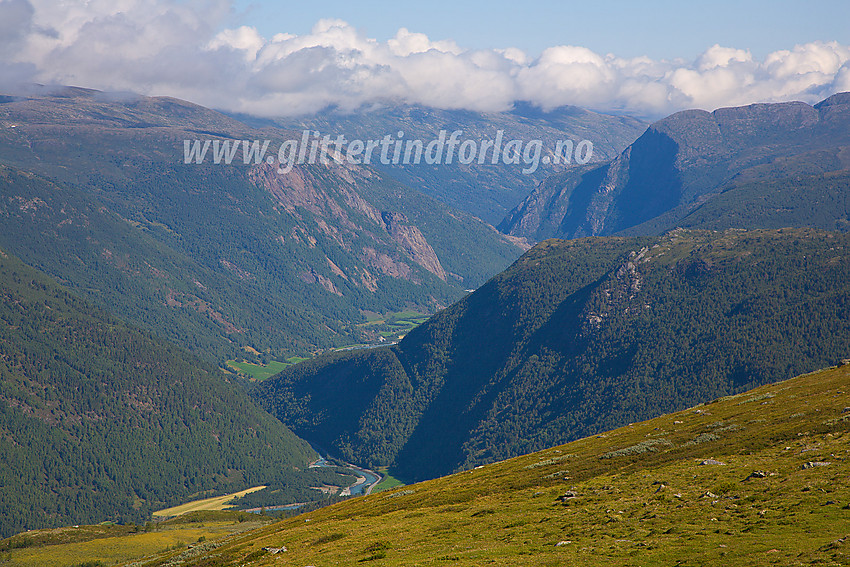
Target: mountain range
column 486, row 190
column 575, row 338
column 129, row 272
column 222, row 259
column 757, row 166
column 118, row 253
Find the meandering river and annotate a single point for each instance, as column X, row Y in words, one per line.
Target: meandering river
column 366, row 479
column 365, row 482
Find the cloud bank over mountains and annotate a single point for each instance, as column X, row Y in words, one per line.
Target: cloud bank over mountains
column 192, row 50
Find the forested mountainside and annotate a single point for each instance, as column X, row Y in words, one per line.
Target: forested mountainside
column 757, row 166
column 575, row 338
column 95, row 192
column 485, row 190
column 100, row 420
column 820, row 201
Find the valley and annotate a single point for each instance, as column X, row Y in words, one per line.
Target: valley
column 378, row 329
column 577, row 337
column 218, row 258
column 732, row 481
column 638, row 360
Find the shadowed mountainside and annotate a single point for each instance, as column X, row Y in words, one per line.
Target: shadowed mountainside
column 575, row 338
column 696, row 159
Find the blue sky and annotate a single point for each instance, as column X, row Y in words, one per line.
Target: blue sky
column 661, row 29
column 647, row 58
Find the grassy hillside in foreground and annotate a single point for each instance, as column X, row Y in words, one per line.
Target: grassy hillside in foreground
column 112, row 543
column 646, row 494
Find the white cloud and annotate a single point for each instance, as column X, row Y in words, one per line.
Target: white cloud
column 717, row 56
column 406, row 43
column 567, row 75
column 244, row 38
column 191, row 49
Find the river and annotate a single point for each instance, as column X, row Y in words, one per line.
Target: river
column 366, row 479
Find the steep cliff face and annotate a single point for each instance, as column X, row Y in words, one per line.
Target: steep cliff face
column 344, row 216
column 303, row 187
column 684, row 161
column 412, row 241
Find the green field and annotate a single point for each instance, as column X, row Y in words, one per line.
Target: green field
column 260, row 371
column 394, row 325
column 739, row 481
column 387, row 482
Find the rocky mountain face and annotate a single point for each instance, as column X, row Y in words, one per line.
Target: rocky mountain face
column 413, row 242
column 337, row 207
column 577, row 337
column 689, row 159
column 218, row 257
column 480, row 188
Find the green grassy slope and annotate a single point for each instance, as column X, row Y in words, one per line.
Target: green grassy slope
column 109, row 544
column 99, row 420
column 579, row 337
column 759, row 478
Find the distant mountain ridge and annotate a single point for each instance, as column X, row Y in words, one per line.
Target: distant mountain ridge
column 485, row 190
column 687, row 160
column 575, row 338
column 222, row 258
